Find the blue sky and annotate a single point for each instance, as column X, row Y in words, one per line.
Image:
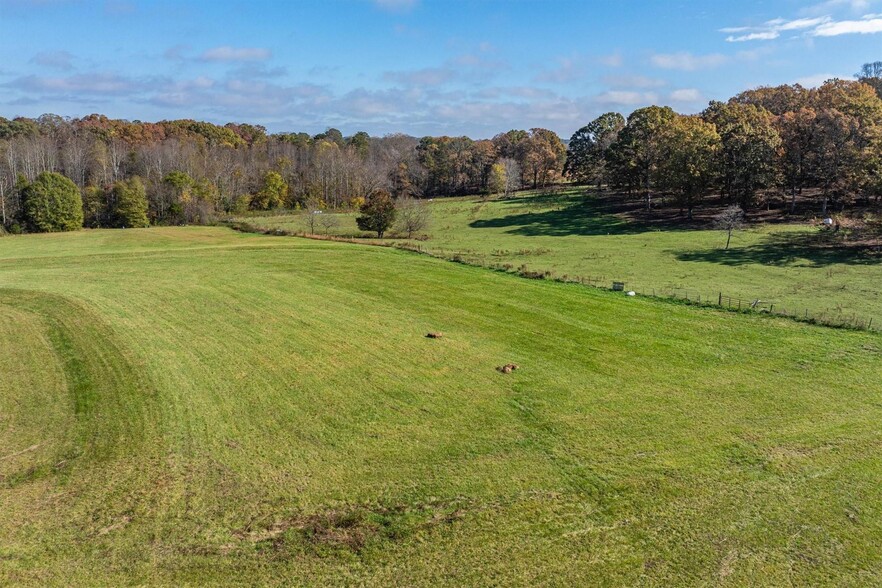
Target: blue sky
column 415, row 66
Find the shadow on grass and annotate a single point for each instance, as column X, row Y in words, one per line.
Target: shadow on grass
column 576, row 216
column 787, row 249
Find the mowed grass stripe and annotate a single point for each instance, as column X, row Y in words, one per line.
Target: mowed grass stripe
column 37, row 418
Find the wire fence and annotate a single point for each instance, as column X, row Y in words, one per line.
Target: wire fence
column 829, row 317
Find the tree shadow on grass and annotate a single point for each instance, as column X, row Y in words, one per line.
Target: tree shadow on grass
column 576, row 216
column 788, row 249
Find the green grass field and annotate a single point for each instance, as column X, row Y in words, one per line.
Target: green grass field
column 570, row 234
column 196, row 406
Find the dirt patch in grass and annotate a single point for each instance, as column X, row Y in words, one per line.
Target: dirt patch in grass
column 355, row 527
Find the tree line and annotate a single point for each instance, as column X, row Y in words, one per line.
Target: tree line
column 761, row 145
column 189, row 171
column 765, row 143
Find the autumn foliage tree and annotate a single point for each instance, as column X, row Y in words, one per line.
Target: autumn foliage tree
column 750, row 149
column 543, row 156
column 799, row 141
column 496, row 185
column 586, row 153
column 273, row 192
column 377, row 213
column 688, row 149
column 634, row 156
column 822, row 144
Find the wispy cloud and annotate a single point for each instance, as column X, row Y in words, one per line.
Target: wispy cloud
column 473, row 67
column 772, row 29
column 813, row 81
column 55, row 59
column 689, row 95
column 635, row 81
column 628, row 98
column 476, row 109
column 818, row 26
column 687, row 61
column 870, row 24
column 567, row 70
column 427, row 76
column 92, row 83
column 228, row 54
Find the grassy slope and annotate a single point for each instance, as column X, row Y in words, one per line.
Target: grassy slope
column 567, row 234
column 210, row 406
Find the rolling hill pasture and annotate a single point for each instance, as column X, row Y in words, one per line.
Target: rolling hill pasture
column 573, row 232
column 194, row 406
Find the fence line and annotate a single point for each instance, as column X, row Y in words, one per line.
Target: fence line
column 694, row 297
column 830, row 317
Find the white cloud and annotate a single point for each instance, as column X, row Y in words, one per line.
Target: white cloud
column 227, row 53
column 465, row 67
column 687, row 61
column 772, row 29
column 633, row 82
column 763, row 36
column 530, row 92
column 429, row 76
column 93, row 83
column 567, row 70
column 866, row 26
column 686, row 95
column 813, row 81
column 800, row 23
column 816, row 26
column 626, row 98
column 478, row 110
